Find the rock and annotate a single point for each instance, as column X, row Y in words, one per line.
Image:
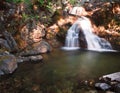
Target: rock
column 114, row 76
column 8, row 64
column 30, row 33
column 88, row 6
column 4, row 44
column 78, row 11
column 1, row 72
column 43, row 47
column 91, row 91
column 102, row 86
column 109, row 92
column 37, row 33
column 64, row 2
column 11, row 41
column 19, row 59
column 35, row 58
column 117, row 88
column 2, row 52
column 36, row 49
column 29, row 53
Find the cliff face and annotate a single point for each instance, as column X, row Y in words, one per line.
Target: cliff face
column 107, row 17
column 27, row 21
column 34, row 21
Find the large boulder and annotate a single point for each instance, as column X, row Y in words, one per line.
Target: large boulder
column 109, row 82
column 11, row 41
column 8, row 64
column 30, row 33
column 42, row 47
column 36, row 49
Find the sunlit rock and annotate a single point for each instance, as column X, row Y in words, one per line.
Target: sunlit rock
column 52, row 31
column 30, row 33
column 37, row 33
column 65, row 1
column 113, row 76
column 78, row 11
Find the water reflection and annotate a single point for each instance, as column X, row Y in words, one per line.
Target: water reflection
column 61, row 71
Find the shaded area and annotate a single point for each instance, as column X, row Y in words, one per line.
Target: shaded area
column 66, row 75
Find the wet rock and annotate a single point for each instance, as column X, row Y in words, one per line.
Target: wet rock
column 109, row 92
column 92, row 91
column 102, row 86
column 1, row 72
column 20, row 59
column 111, row 82
column 8, row 64
column 113, row 76
column 36, row 58
column 117, row 88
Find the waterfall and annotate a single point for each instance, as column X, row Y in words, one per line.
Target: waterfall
column 72, row 37
column 93, row 41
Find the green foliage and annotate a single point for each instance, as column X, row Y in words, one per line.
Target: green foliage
column 27, row 17
column 45, row 4
column 41, row 2
column 19, row 1
column 15, row 1
column 72, row 1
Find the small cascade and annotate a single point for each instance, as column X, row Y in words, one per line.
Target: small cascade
column 72, row 37
column 93, row 41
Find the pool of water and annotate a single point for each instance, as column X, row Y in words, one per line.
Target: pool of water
column 62, row 71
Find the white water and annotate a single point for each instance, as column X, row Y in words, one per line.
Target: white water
column 93, row 41
column 72, row 37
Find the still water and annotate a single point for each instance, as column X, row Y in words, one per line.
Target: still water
column 61, row 70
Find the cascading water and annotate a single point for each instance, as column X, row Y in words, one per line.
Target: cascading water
column 72, row 37
column 93, row 41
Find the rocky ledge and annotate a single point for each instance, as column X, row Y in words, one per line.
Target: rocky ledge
column 109, row 82
column 9, row 62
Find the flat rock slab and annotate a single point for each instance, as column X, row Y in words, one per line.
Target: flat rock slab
column 114, row 76
column 102, row 86
column 35, row 58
